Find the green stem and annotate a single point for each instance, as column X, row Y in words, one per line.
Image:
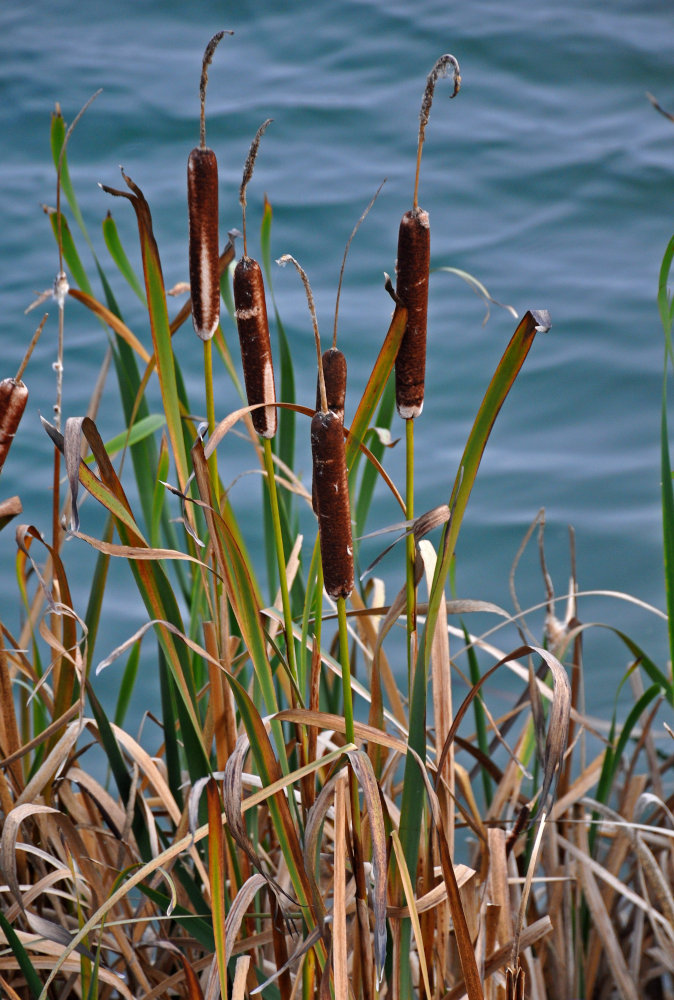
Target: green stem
column 413, row 798
column 410, row 548
column 346, row 669
column 278, row 540
column 210, row 417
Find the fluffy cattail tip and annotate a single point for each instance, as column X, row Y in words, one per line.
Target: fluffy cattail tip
column 202, row 203
column 253, row 327
column 414, row 258
column 332, row 496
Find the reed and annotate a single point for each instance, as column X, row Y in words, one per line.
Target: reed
column 218, row 851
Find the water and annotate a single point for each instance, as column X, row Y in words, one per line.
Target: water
column 549, row 178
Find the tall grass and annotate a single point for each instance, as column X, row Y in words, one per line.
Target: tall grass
column 300, row 827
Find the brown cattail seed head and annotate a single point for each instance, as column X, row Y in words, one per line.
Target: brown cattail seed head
column 334, row 511
column 414, row 259
column 251, row 320
column 202, row 202
column 13, row 399
column 334, row 374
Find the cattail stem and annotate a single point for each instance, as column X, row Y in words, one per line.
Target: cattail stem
column 278, row 540
column 210, row 417
column 346, row 670
column 410, row 544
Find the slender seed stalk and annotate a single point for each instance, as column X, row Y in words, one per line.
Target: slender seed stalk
column 411, row 549
column 346, row 669
column 210, row 417
column 278, row 540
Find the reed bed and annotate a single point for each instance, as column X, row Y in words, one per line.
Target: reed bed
column 307, row 819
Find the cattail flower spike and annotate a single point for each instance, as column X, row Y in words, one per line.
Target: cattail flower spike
column 202, row 203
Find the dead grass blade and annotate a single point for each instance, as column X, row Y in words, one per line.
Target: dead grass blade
column 413, row 913
column 339, row 943
column 362, row 766
column 601, row 920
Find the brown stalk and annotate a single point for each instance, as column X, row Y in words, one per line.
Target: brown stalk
column 253, row 327
column 330, row 475
column 413, row 265
column 251, row 320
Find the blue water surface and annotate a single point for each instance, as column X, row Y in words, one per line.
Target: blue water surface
column 550, row 178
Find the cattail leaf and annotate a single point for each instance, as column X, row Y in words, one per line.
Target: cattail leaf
column 33, row 981
column 239, row 907
column 269, row 771
column 194, row 991
column 286, row 432
column 9, row 509
column 57, row 138
column 153, row 584
column 411, row 907
column 216, row 870
column 118, row 254
column 369, row 478
column 67, row 674
column 76, row 268
column 241, row 586
column 141, row 430
column 114, row 322
column 375, row 387
column 159, row 323
column 362, row 766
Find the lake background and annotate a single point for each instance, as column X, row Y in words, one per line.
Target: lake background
column 550, row 178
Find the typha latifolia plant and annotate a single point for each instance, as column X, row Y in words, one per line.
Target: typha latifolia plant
column 258, row 372
column 251, row 318
column 227, row 831
column 204, row 242
column 412, row 274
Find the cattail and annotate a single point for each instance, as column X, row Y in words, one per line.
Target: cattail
column 334, row 374
column 331, row 482
column 13, row 399
column 202, row 203
column 332, row 495
column 333, row 364
column 412, row 268
column 251, row 320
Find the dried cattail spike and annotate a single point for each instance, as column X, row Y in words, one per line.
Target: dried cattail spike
column 202, row 204
column 202, row 201
column 333, row 363
column 334, row 511
column 13, row 399
column 414, row 257
column 253, row 327
column 334, row 374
